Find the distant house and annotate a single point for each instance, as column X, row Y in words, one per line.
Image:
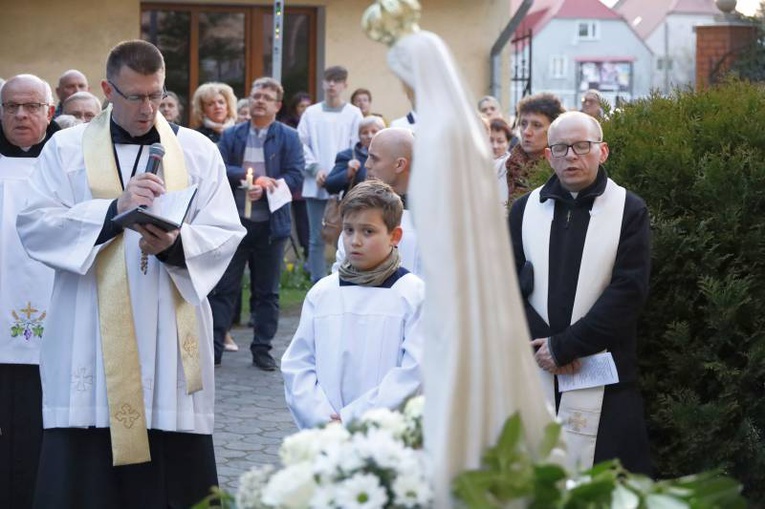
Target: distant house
column 582, row 44
column 668, row 28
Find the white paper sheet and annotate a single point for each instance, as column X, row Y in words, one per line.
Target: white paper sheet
column 598, row 369
column 280, row 196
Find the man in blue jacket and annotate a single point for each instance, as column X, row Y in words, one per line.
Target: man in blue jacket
column 271, row 151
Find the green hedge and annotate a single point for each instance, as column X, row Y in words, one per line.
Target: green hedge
column 698, row 160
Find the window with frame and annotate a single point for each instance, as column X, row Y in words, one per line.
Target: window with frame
column 588, row 30
column 230, row 44
column 557, row 66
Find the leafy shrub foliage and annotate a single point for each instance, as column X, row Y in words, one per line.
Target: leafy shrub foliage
column 698, row 160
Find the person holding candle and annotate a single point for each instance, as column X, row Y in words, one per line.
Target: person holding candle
column 259, row 152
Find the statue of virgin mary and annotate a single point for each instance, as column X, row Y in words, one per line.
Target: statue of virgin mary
column 478, row 365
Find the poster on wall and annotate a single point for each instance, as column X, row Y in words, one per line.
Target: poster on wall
column 613, row 79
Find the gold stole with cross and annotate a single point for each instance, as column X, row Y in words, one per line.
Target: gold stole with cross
column 122, row 369
column 579, row 411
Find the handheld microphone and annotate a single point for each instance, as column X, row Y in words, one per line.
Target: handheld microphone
column 156, row 153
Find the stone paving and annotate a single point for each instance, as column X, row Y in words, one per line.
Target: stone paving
column 251, row 418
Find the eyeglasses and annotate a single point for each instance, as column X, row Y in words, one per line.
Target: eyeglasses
column 140, row 98
column 262, row 97
column 31, row 108
column 580, row 148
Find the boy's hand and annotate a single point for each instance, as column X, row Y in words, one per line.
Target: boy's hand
column 321, row 177
column 335, row 418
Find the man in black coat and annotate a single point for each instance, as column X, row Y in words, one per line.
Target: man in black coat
column 582, row 250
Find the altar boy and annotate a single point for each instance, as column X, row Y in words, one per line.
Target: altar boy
column 358, row 345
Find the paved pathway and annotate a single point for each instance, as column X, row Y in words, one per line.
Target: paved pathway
column 251, row 418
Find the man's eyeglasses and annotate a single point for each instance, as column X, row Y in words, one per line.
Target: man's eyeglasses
column 31, row 108
column 580, row 148
column 155, row 97
column 262, row 97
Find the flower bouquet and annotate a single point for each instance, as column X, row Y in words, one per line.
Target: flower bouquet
column 376, row 462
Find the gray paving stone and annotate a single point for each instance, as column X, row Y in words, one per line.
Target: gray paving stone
column 251, row 417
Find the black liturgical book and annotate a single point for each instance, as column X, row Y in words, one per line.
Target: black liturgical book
column 167, row 212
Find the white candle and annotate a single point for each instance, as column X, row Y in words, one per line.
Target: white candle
column 247, row 201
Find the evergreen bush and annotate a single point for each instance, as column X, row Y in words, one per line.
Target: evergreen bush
column 698, row 160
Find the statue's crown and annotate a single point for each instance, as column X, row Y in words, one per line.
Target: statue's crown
column 387, row 21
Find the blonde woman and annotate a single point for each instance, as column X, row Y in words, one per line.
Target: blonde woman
column 213, row 109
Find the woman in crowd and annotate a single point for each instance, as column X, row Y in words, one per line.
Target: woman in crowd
column 171, row 108
column 535, row 114
column 500, row 136
column 243, row 110
column 489, row 107
column 349, row 163
column 214, row 109
column 295, row 108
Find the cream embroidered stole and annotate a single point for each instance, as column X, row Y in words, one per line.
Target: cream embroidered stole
column 579, row 411
column 127, row 417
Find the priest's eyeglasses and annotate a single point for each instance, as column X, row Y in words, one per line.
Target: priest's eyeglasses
column 31, row 108
column 154, row 97
column 580, row 148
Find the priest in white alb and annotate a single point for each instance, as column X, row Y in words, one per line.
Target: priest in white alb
column 25, row 286
column 127, row 365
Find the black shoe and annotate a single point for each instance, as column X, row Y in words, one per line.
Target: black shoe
column 264, row 360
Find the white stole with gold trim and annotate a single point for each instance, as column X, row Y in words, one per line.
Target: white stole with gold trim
column 579, row 411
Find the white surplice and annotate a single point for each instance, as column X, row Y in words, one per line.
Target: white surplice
column 25, row 284
column 356, row 348
column 60, row 228
column 408, row 249
column 324, row 134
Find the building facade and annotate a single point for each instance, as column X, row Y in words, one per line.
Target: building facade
column 231, row 41
column 582, row 44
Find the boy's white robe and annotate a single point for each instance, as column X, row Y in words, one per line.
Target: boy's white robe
column 324, row 134
column 25, row 285
column 356, row 348
column 60, row 227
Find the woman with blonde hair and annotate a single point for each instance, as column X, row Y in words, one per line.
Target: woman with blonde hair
column 213, row 109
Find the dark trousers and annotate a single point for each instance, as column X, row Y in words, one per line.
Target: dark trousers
column 76, row 471
column 267, row 254
column 20, row 433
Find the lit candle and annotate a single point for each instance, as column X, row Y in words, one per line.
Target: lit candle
column 247, row 201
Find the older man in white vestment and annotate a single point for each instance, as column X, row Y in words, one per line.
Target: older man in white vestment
column 25, row 286
column 127, row 366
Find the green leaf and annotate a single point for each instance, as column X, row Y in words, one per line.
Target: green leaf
column 472, row 487
column 594, row 491
column 549, row 473
column 549, row 440
column 510, row 437
column 663, row 502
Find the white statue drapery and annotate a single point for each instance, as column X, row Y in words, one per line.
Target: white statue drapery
column 478, row 365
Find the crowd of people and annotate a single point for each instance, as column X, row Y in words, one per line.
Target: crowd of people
column 108, row 368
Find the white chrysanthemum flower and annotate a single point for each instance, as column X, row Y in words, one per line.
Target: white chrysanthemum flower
column 412, row 491
column 251, row 484
column 291, row 488
column 384, row 419
column 362, row 491
column 324, row 497
column 301, row 446
column 415, row 407
column 333, row 436
column 380, row 447
column 339, row 462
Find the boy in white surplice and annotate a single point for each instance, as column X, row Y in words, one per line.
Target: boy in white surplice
column 358, row 345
